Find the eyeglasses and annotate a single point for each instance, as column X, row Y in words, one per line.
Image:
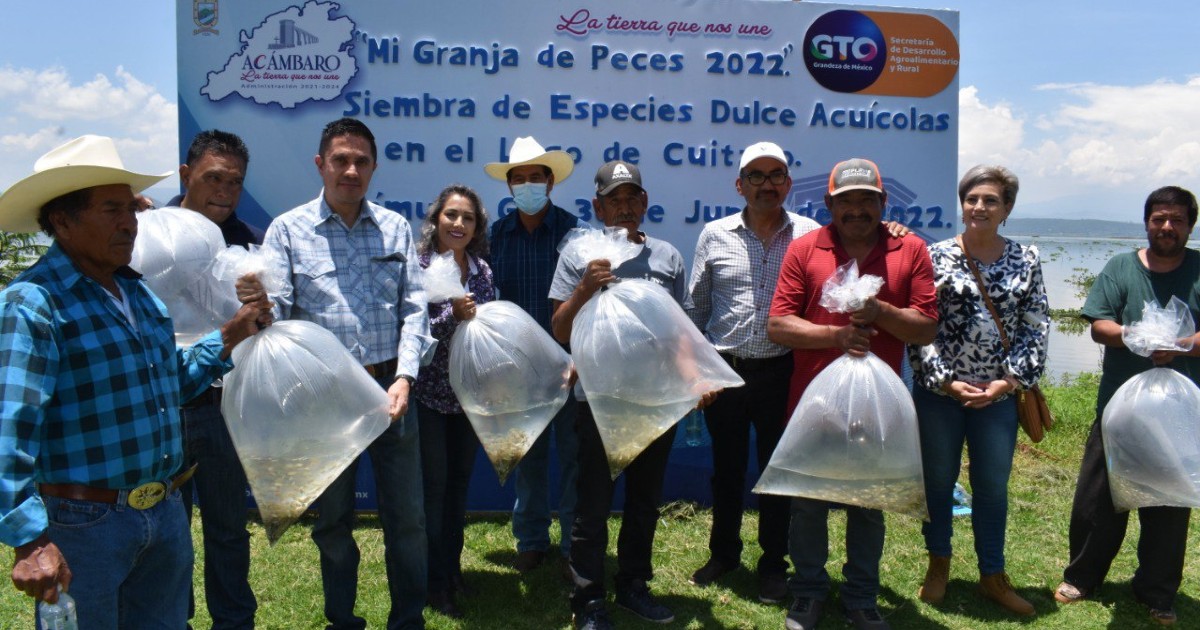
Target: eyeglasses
column 756, row 178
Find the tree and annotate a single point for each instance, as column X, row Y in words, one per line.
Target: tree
column 17, row 252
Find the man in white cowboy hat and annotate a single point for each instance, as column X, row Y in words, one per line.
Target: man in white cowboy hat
column 90, row 388
column 524, row 254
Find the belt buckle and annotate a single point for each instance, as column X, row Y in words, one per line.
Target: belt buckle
column 146, row 495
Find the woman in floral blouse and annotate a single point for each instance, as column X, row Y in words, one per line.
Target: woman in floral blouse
column 965, row 379
column 457, row 222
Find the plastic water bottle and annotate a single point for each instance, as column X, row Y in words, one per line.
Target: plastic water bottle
column 962, row 501
column 60, row 615
column 693, row 428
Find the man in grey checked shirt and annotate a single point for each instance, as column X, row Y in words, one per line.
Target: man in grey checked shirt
column 733, row 280
column 353, row 269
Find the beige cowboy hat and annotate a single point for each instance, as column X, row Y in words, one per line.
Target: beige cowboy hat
column 526, row 151
column 84, row 162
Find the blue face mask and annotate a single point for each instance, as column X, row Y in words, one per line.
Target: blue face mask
column 530, row 198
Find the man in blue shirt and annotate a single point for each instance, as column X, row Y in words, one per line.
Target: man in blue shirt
column 524, row 255
column 212, row 180
column 90, row 387
column 352, row 269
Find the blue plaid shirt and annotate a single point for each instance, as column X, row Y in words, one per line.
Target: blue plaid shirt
column 361, row 283
column 85, row 396
column 523, row 262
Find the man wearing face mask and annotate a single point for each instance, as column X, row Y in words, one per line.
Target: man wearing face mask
column 524, row 248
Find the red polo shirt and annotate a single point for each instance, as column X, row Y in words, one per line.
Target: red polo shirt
column 907, row 274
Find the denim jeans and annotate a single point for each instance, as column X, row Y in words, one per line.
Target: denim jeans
column 396, row 460
column 808, row 542
column 990, row 434
column 448, row 447
column 130, row 568
column 220, row 484
column 531, row 513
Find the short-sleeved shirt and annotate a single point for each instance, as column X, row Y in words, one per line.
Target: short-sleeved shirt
column 907, row 274
column 523, row 262
column 658, row 262
column 1119, row 294
column 733, row 282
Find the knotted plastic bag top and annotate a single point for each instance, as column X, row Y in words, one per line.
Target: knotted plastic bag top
column 236, row 261
column 583, row 245
column 846, row 291
column 642, row 364
column 442, row 279
column 510, row 377
column 1161, row 328
column 852, row 439
column 174, row 250
column 299, row 409
column 1151, row 429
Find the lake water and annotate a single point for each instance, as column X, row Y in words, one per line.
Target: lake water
column 1062, row 259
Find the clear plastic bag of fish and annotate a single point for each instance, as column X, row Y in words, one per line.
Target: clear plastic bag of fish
column 846, row 291
column 174, row 251
column 1161, row 328
column 1151, row 430
column 852, row 439
column 583, row 245
column 442, row 279
column 510, row 377
column 300, row 409
column 642, row 364
column 236, row 261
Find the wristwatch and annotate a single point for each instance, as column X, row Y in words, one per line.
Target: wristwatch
column 406, row 377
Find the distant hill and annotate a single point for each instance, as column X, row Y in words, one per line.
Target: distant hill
column 1073, row 227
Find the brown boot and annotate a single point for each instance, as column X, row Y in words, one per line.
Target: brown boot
column 997, row 588
column 933, row 591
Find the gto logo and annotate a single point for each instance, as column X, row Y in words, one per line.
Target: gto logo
column 826, row 47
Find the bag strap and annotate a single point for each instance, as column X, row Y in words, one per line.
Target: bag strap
column 987, row 300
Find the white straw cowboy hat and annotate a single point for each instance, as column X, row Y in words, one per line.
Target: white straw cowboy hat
column 84, row 162
column 526, row 151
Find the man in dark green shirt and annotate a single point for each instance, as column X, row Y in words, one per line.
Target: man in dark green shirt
column 1163, row 269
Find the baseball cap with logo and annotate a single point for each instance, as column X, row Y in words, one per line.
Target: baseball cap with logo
column 616, row 173
column 763, row 149
column 855, row 174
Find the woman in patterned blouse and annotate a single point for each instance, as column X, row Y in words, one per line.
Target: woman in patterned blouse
column 457, row 222
column 964, row 381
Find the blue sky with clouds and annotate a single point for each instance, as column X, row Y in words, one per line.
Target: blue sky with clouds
column 1092, row 103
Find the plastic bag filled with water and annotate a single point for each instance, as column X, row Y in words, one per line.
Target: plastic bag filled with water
column 300, row 409
column 583, row 245
column 236, row 261
column 174, row 250
column 642, row 364
column 1151, row 430
column 1161, row 328
column 510, row 376
column 852, row 439
column 442, row 279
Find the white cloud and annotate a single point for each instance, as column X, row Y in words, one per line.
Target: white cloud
column 987, row 134
column 45, row 107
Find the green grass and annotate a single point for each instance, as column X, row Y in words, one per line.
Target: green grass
column 287, row 581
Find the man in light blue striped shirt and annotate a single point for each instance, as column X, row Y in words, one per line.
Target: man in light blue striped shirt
column 352, row 267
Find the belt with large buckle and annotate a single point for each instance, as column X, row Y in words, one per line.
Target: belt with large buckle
column 142, row 497
column 381, row 369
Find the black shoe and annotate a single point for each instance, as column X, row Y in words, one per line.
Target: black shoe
column 867, row 619
column 459, row 586
column 804, row 613
column 772, row 588
column 529, row 560
column 593, row 617
column 443, row 602
column 636, row 598
column 709, row 573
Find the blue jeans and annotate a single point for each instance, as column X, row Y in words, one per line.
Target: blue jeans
column 990, row 434
column 531, row 513
column 808, row 542
column 130, row 568
column 220, row 484
column 448, row 447
column 396, row 460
